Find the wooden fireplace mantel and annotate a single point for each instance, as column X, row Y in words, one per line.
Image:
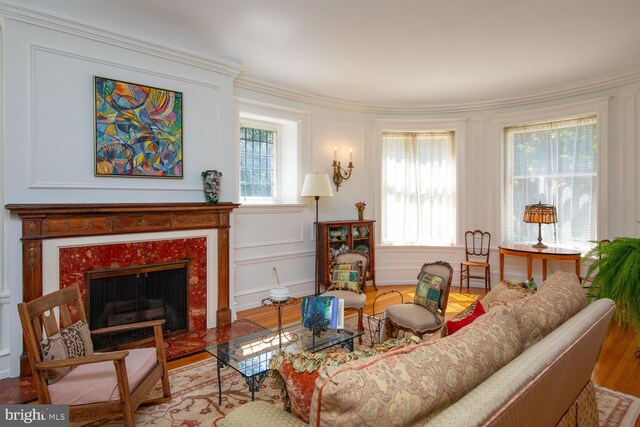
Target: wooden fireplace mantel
column 52, row 221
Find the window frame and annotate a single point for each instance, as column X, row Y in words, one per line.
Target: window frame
column 597, row 107
column 277, row 168
column 458, row 126
column 292, row 142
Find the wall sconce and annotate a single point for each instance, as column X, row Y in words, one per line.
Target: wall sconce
column 340, row 174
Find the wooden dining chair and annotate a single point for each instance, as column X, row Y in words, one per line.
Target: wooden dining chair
column 100, row 385
column 477, row 245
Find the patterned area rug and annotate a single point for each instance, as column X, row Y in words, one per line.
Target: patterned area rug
column 195, row 397
column 617, row 409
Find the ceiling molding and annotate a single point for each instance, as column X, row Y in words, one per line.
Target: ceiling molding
column 57, row 22
column 63, row 24
column 329, row 102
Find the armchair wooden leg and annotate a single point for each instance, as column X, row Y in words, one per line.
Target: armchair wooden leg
column 166, row 388
column 127, row 417
column 461, row 269
column 125, row 394
column 360, row 325
column 390, row 328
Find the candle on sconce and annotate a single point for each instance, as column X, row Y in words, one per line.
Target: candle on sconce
column 335, row 153
column 351, row 155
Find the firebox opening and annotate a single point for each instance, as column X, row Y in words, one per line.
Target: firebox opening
column 123, row 296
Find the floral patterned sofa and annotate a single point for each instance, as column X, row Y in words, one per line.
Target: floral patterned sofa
column 527, row 361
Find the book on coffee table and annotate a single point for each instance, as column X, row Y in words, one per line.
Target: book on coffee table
column 323, row 312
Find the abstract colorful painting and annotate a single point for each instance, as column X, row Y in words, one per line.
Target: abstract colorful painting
column 138, row 130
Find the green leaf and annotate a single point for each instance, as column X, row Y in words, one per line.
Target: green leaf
column 616, row 275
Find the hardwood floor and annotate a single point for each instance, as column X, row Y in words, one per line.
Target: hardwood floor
column 617, row 368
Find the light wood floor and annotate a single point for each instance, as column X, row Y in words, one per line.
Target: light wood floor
column 617, row 368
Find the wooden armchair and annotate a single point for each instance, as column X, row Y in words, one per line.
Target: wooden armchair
column 102, row 385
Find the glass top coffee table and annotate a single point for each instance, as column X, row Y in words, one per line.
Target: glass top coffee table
column 250, row 355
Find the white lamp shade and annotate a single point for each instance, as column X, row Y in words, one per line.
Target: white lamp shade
column 316, row 185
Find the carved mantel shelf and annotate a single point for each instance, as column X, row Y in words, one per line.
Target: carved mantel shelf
column 50, row 221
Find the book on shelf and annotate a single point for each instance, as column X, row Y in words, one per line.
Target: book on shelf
column 323, row 312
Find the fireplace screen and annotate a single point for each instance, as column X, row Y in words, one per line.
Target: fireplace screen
column 137, row 294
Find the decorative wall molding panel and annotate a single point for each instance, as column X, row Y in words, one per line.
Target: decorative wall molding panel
column 43, row 59
column 274, row 258
column 628, row 215
column 64, row 25
column 268, row 226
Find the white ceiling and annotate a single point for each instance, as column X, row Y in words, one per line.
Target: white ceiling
column 391, row 53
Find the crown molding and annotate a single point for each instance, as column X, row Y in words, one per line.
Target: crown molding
column 343, row 104
column 56, row 22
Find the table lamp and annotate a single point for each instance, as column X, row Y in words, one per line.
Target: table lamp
column 316, row 186
column 540, row 214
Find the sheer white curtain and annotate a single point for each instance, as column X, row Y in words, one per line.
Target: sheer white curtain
column 418, row 188
column 553, row 163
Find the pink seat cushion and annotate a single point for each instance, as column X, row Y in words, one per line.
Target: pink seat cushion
column 97, row 382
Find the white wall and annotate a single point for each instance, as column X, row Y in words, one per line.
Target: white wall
column 4, row 291
column 479, row 158
column 49, row 130
column 283, row 236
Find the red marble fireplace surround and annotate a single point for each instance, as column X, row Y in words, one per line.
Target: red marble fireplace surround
column 54, row 221
column 75, row 261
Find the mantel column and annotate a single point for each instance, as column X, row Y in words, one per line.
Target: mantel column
column 223, row 315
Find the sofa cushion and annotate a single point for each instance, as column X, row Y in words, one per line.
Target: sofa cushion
column 346, row 277
column 80, row 385
column 454, row 326
column 414, row 316
column 505, row 291
column 258, row 413
column 74, row 341
column 468, row 311
column 410, row 385
column 428, row 291
column 557, row 300
column 351, row 299
column 296, row 373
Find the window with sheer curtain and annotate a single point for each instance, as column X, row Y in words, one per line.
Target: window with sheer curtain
column 553, row 163
column 418, row 188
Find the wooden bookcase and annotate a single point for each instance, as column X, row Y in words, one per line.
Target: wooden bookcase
column 334, row 237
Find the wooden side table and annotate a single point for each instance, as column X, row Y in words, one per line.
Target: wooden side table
column 521, row 250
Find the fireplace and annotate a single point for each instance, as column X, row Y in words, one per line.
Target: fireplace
column 122, row 296
column 49, row 222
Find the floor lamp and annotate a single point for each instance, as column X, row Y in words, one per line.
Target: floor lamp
column 316, row 186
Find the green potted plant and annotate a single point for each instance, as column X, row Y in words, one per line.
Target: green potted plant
column 615, row 274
